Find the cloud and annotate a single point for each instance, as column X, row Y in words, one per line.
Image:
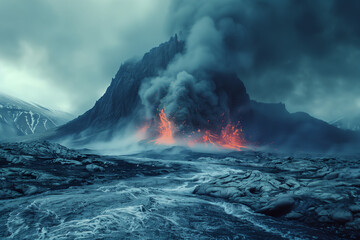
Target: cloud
column 303, row 53
column 63, row 54
column 199, row 86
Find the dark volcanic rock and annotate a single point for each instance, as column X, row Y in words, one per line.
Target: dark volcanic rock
column 342, row 215
column 296, row 188
column 279, row 207
column 288, row 196
column 293, row 215
column 36, row 167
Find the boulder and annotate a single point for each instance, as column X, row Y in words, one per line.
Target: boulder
column 94, row 168
column 293, row 215
column 279, row 207
column 354, row 208
column 341, row 215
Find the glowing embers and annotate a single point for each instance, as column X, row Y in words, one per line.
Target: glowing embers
column 165, row 130
column 162, row 131
column 230, row 136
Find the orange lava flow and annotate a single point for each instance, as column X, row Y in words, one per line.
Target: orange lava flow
column 165, row 130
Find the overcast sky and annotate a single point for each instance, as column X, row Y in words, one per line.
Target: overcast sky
column 63, row 54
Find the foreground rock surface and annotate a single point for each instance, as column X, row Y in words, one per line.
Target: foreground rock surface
column 36, row 167
column 316, row 190
column 256, row 195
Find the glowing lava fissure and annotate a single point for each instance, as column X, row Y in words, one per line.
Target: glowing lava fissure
column 165, row 130
column 228, row 137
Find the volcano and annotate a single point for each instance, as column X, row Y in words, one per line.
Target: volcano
column 211, row 102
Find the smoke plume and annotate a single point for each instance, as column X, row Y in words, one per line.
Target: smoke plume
column 192, row 90
column 303, row 53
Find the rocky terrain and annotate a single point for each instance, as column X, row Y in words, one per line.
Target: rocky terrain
column 322, row 191
column 36, row 167
column 51, row 192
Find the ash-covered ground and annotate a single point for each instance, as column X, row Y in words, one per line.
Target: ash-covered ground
column 51, row 192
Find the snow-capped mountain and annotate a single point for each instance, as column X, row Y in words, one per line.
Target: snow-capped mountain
column 20, row 118
column 348, row 122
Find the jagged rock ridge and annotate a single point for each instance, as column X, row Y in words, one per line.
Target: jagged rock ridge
column 121, row 98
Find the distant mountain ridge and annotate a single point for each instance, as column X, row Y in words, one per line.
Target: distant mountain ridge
column 20, row 118
column 348, row 122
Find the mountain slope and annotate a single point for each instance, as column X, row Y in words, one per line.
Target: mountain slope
column 19, row 118
column 121, row 98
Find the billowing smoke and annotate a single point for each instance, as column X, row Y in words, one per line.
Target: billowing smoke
column 183, row 96
column 303, row 53
column 198, row 85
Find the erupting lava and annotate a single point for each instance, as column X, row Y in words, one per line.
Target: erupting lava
column 165, row 131
column 230, row 136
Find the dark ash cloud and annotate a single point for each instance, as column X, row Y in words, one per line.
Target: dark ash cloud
column 197, row 87
column 301, row 52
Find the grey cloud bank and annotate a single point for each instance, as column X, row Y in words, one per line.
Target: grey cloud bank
column 63, row 54
column 303, row 53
